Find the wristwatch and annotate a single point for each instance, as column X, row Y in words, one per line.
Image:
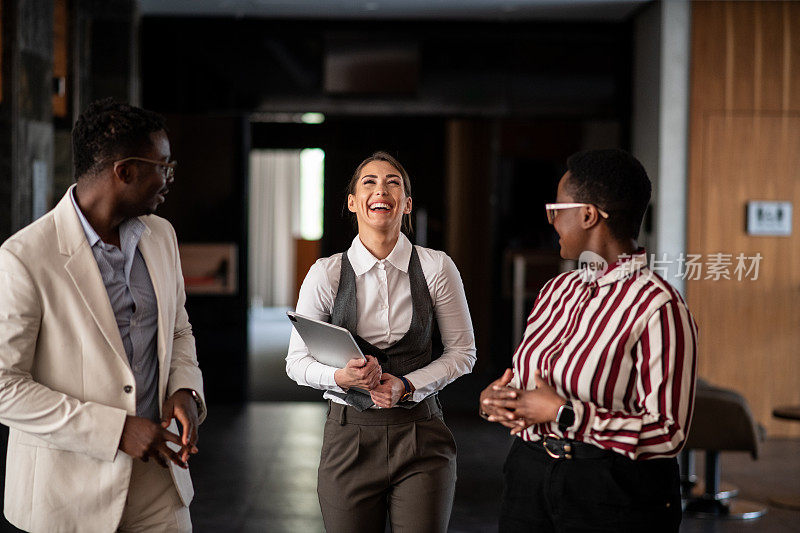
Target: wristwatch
column 197, row 400
column 407, row 388
column 565, row 416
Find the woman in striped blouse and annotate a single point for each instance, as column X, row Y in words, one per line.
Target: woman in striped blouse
column 601, row 392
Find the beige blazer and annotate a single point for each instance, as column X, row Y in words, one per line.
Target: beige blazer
column 64, row 372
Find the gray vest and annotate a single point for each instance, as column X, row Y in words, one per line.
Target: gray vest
column 411, row 352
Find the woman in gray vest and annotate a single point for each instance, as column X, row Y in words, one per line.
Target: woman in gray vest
column 386, row 453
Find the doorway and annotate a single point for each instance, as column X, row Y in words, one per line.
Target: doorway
column 285, row 227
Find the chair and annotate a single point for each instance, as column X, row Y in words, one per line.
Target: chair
column 722, row 421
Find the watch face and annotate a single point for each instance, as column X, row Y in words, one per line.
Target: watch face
column 197, row 399
column 567, row 416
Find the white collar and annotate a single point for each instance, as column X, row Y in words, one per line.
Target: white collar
column 133, row 225
column 625, row 267
column 362, row 260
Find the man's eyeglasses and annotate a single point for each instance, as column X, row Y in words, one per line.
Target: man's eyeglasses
column 169, row 168
column 552, row 209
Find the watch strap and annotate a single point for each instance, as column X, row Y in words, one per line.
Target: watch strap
column 407, row 387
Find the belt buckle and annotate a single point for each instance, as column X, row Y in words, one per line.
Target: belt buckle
column 567, row 448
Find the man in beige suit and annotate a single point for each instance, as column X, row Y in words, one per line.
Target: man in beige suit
column 97, row 357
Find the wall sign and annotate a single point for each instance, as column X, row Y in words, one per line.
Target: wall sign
column 769, row 218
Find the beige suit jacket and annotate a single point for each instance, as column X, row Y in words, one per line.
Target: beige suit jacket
column 64, row 372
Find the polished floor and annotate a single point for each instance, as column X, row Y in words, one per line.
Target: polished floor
column 268, row 334
column 256, row 472
column 267, row 480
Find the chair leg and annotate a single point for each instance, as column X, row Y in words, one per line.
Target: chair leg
column 688, row 475
column 709, row 505
column 712, row 474
column 692, row 486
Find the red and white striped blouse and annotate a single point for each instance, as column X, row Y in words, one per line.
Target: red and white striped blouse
column 622, row 348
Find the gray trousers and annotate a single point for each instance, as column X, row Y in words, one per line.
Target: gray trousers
column 396, row 462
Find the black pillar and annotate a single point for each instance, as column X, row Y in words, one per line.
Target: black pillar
column 105, row 52
column 26, row 113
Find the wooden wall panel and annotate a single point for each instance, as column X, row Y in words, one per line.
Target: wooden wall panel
column 769, row 66
column 60, row 54
column 468, row 196
column 306, row 254
column 791, row 54
column 745, row 145
column 740, row 61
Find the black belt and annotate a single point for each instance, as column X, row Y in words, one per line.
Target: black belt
column 568, row 449
column 346, row 414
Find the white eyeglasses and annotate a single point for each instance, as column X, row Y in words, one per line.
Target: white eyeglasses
column 552, row 209
column 168, row 168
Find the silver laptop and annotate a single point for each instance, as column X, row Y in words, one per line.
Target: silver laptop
column 328, row 344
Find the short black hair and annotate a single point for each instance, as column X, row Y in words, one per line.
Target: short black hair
column 614, row 181
column 109, row 129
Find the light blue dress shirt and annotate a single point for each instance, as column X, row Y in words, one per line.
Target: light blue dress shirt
column 133, row 299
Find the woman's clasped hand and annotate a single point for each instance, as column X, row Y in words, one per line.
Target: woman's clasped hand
column 518, row 409
column 359, row 373
column 365, row 374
